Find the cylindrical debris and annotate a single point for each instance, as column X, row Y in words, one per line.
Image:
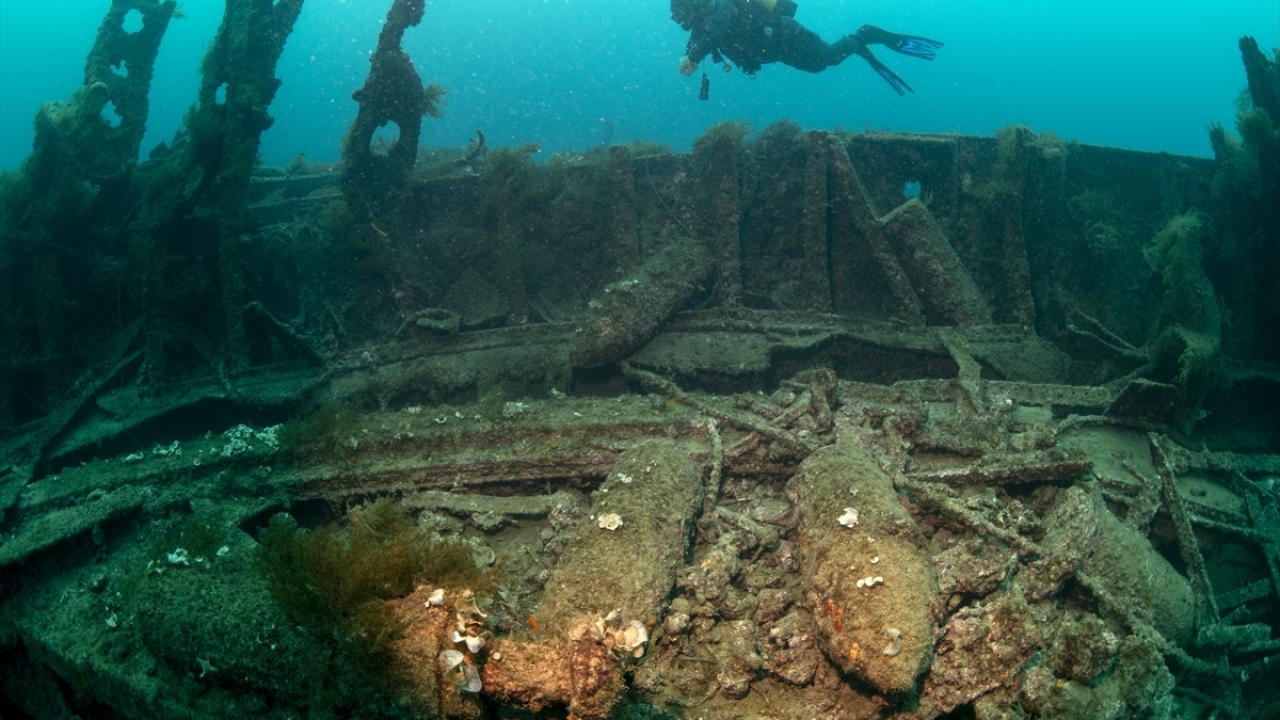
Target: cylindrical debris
column 629, row 312
column 582, row 675
column 607, row 590
column 1124, row 562
column 654, row 492
column 946, row 288
column 868, row 578
column 434, row 686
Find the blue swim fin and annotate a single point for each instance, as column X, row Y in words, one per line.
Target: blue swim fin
column 912, row 45
column 899, row 85
column 917, row 47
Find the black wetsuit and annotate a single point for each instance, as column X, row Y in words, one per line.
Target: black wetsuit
column 751, row 36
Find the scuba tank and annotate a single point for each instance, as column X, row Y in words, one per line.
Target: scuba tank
column 786, row 8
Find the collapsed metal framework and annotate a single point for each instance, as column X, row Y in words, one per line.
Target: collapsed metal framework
column 1010, row 433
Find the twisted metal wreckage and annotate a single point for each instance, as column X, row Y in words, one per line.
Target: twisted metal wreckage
column 745, row 445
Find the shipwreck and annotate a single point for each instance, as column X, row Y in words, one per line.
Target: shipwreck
column 799, row 424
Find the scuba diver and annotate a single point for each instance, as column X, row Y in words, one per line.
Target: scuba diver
column 754, row 32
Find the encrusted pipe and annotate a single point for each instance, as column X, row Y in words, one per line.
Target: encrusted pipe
column 608, row 589
column 631, row 311
column 1188, row 546
column 868, row 578
column 946, row 289
column 434, row 669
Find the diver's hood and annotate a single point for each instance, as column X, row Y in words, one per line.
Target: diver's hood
column 689, row 12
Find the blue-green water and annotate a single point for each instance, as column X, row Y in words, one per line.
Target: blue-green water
column 569, row 74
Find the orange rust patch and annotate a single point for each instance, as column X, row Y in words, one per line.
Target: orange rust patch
column 834, row 611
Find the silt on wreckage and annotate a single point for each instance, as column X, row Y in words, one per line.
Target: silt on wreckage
column 738, row 433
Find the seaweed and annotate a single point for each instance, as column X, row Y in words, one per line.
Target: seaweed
column 1245, row 258
column 772, row 156
column 778, row 148
column 335, row 581
column 511, row 182
column 784, row 131
column 1187, row 348
column 433, row 98
column 512, row 193
column 1176, row 255
column 644, row 149
column 719, row 143
column 1021, row 152
column 195, row 537
column 329, row 432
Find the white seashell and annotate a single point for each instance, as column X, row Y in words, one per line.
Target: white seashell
column 634, row 635
column 895, row 641
column 583, row 629
column 472, row 677
column 436, row 598
column 449, row 659
column 467, row 606
column 609, row 521
column 849, row 518
column 474, row 643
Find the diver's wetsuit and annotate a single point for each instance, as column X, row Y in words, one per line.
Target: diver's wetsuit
column 751, row 36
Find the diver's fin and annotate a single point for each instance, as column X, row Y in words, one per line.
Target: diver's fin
column 899, row 85
column 923, row 48
column 912, row 45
